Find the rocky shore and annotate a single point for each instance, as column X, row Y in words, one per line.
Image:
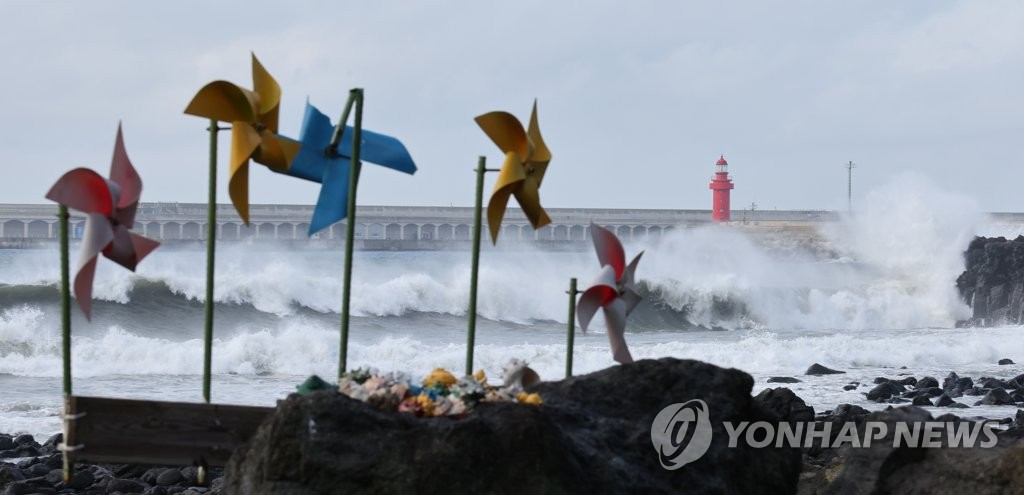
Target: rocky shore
column 992, row 283
column 593, row 434
column 28, row 467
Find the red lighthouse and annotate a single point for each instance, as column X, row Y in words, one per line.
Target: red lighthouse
column 720, row 187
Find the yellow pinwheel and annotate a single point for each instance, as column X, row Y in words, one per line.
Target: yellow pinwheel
column 526, row 160
column 253, row 117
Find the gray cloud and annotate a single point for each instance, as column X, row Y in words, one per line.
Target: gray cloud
column 636, row 100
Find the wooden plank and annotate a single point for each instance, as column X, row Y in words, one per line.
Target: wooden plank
column 155, row 432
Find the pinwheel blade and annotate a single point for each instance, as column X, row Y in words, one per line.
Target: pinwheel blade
column 509, row 181
column 590, row 301
column 244, row 141
column 601, row 292
column 609, row 249
column 615, row 319
column 224, row 101
column 276, row 152
column 143, row 246
column 630, row 293
column 269, row 93
column 332, row 205
column 123, row 173
column 541, row 155
column 528, row 197
column 98, row 234
column 312, row 160
column 506, row 131
column 385, row 151
column 127, row 248
column 84, row 190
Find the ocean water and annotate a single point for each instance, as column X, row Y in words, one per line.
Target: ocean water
column 882, row 299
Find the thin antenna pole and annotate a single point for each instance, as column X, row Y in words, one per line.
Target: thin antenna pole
column 849, row 186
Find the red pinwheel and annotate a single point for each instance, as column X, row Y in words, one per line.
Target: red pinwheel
column 614, row 291
column 110, row 206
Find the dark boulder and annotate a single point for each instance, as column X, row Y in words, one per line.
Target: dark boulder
column 996, row 397
column 591, row 435
column 10, row 474
column 169, row 477
column 994, row 383
column 125, row 486
column 884, row 391
column 923, row 392
column 908, row 381
column 922, row 401
column 1005, row 361
column 783, row 379
column 944, row 401
column 817, row 369
column 1016, row 382
column 1018, row 420
column 785, row 404
column 81, row 480
column 927, row 382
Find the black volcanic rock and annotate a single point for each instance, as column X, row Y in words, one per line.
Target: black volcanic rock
column 785, row 404
column 992, row 283
column 884, row 391
column 817, row 369
column 922, row 400
column 591, row 435
column 996, row 397
column 888, row 466
column 783, row 379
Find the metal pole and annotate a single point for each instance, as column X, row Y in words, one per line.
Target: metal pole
column 65, row 297
column 65, row 320
column 849, row 186
column 571, row 335
column 475, row 268
column 355, row 97
column 211, row 241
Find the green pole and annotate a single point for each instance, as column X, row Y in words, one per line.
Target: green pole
column 65, row 320
column 571, row 335
column 65, row 297
column 475, row 268
column 356, row 98
column 211, row 241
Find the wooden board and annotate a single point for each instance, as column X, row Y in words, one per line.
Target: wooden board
column 155, row 432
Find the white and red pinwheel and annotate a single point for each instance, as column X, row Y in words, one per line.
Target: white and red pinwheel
column 110, row 206
column 614, row 291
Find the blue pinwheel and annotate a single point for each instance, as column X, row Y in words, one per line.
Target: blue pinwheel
column 316, row 162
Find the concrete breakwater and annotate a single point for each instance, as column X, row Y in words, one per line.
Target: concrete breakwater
column 406, row 227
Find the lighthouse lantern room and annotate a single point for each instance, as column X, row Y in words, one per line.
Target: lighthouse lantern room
column 720, row 186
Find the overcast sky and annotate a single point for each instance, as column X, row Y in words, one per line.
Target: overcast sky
column 636, row 99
